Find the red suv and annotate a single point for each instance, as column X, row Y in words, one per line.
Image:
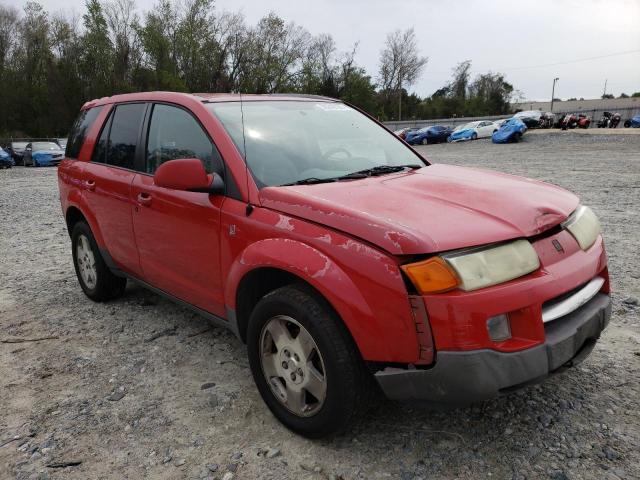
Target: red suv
column 345, row 260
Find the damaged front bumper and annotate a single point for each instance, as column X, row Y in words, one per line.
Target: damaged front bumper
column 461, row 378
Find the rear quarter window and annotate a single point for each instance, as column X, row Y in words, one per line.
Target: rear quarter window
column 79, row 131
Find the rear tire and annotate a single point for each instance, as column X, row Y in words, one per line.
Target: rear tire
column 474, row 136
column 295, row 313
column 96, row 280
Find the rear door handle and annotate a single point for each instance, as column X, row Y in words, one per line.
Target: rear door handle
column 144, row 199
column 91, row 185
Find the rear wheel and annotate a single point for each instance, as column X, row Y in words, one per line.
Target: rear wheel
column 96, row 280
column 305, row 364
column 474, row 136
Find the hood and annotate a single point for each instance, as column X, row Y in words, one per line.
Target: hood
column 433, row 209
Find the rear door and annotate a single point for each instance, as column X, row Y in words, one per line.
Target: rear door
column 178, row 232
column 107, row 183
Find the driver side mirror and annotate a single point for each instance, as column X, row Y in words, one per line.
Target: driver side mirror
column 189, row 175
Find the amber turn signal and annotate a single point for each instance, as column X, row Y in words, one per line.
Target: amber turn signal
column 431, row 276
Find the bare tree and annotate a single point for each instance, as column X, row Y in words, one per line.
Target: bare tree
column 8, row 38
column 400, row 63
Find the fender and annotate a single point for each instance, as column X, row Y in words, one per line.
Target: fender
column 76, row 199
column 370, row 333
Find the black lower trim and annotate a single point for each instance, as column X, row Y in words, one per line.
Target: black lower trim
column 230, row 322
column 461, row 378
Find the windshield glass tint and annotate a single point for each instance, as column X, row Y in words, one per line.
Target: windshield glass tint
column 288, row 141
column 45, row 146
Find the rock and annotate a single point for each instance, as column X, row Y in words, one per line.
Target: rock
column 179, row 462
column 630, row 300
column 228, row 476
column 213, row 400
column 208, row 385
column 236, row 456
column 116, row 396
column 213, row 467
column 272, row 453
column 545, row 419
column 558, row 475
column 610, row 453
column 232, row 467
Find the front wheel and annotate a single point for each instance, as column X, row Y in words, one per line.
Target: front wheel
column 305, row 364
column 474, row 136
column 425, row 141
column 96, row 280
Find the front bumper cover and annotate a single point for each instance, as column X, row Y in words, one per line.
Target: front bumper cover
column 461, row 378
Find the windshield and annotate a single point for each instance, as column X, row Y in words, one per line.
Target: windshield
column 45, row 146
column 18, row 145
column 290, row 141
column 467, row 125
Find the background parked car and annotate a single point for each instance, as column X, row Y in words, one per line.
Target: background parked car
column 16, row 150
column 510, row 131
column 5, row 159
column 547, row 120
column 432, row 134
column 531, row 118
column 633, row 122
column 473, row 130
column 42, row 154
column 402, row 133
column 62, row 142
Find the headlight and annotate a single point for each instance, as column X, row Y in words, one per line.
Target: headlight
column 474, row 269
column 584, row 226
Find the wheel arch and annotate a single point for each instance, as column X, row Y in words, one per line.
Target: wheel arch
column 270, row 264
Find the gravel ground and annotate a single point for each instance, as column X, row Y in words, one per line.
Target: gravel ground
column 142, row 388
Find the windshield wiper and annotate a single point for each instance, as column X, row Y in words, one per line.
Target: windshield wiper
column 382, row 169
column 369, row 172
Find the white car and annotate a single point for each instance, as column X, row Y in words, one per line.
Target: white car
column 473, row 130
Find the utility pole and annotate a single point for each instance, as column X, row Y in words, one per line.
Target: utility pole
column 605, row 87
column 553, row 92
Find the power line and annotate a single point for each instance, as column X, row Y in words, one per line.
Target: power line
column 571, row 61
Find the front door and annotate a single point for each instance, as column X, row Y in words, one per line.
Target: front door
column 177, row 232
column 107, row 183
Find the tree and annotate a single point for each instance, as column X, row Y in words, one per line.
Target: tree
column 96, row 62
column 400, row 64
column 623, row 95
column 606, row 96
column 635, row 95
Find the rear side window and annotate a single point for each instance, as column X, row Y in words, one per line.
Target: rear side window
column 79, row 131
column 119, row 137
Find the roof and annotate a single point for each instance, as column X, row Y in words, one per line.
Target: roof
column 205, row 97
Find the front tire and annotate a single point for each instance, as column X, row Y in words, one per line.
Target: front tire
column 97, row 281
column 474, row 136
column 305, row 364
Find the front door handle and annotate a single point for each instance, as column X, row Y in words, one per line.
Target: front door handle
column 91, row 185
column 144, row 199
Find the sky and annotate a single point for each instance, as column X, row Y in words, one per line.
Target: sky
column 519, row 39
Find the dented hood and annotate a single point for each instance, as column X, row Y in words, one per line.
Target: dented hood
column 433, row 209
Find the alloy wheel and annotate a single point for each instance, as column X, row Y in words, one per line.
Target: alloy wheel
column 86, row 262
column 293, row 366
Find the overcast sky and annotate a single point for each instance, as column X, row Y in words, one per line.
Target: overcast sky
column 519, row 39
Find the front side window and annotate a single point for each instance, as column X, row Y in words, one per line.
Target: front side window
column 123, row 135
column 174, row 134
column 288, row 141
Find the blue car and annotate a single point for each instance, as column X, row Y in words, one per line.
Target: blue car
column 634, row 122
column 43, row 154
column 462, row 135
column 5, row 159
column 427, row 135
column 510, row 131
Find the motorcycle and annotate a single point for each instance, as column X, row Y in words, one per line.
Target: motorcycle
column 570, row 120
column 584, row 121
column 609, row 120
column 547, row 119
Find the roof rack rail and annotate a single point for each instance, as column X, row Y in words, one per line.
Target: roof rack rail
column 304, row 95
